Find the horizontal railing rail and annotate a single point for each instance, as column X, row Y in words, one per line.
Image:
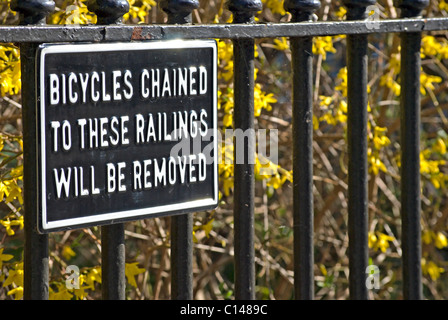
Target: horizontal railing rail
column 97, row 33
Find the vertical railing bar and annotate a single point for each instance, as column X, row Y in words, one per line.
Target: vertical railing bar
column 36, row 257
column 180, row 12
column 410, row 164
column 410, row 154
column 301, row 57
column 357, row 166
column 112, row 236
column 113, row 262
column 182, row 257
column 302, row 131
column 244, row 174
column 357, row 65
column 244, row 183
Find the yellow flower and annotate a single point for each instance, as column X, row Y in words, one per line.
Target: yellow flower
column 264, row 169
column 426, row 82
column 341, row 112
column 281, row 44
column 427, row 236
column 334, row 111
column 62, row 294
column 10, row 223
column 228, row 102
column 227, row 73
column 81, row 292
column 323, row 270
column 68, row 252
column 10, row 71
column 395, row 61
column 17, row 172
column 94, row 275
column 379, row 241
column 4, row 257
column 371, row 239
column 15, row 192
column 140, row 11
column 262, row 100
column 7, row 224
column 274, row 174
column 225, row 166
column 341, row 12
column 430, row 169
column 225, row 59
column 431, row 46
column 440, row 146
column 276, row 181
column 440, row 240
column 131, row 270
column 315, row 123
column 383, row 241
column 227, row 120
column 227, row 186
column 380, row 139
column 388, row 81
column 225, row 170
column 432, row 269
column 17, row 292
column 322, row 45
column 325, row 101
column 73, row 14
column 443, row 5
column 225, row 50
column 15, row 276
column 376, row 165
column 3, row 190
column 276, row 6
column 207, row 228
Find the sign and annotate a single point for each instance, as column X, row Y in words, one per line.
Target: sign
column 126, row 131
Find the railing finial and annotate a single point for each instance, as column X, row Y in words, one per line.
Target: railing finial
column 179, row 11
column 33, row 11
column 244, row 10
column 301, row 10
column 109, row 11
column 357, row 9
column 411, row 8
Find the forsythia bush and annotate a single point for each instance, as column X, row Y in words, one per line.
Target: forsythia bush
column 147, row 241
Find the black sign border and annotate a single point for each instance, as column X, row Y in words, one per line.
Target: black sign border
column 43, row 226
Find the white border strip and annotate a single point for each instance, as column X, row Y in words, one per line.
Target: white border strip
column 107, row 47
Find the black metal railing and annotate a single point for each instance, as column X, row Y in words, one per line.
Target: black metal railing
column 243, row 31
